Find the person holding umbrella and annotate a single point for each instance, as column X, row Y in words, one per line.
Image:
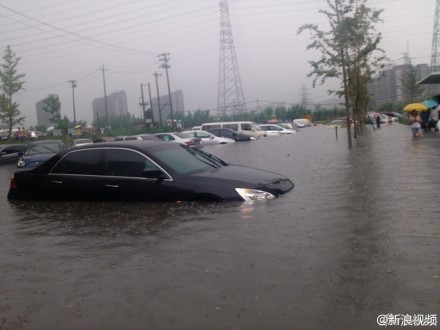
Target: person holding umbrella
column 415, row 121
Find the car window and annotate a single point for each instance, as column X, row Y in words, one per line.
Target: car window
column 9, row 150
column 121, row 162
column 231, row 126
column 246, row 127
column 215, row 131
column 166, row 137
column 206, row 127
column 85, row 162
column 203, row 135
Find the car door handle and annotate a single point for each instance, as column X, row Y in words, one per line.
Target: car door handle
column 112, row 185
column 57, row 182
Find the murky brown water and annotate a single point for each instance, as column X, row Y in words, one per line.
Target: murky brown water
column 359, row 236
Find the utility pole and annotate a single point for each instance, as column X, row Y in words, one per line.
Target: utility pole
column 163, row 57
column 73, row 84
column 151, row 106
column 105, row 99
column 155, row 74
column 143, row 105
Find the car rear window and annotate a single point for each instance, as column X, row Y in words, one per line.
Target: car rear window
column 43, row 148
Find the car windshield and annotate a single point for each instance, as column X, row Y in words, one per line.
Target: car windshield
column 186, row 160
column 43, row 148
column 184, row 135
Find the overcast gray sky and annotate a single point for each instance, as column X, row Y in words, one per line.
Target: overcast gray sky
column 62, row 40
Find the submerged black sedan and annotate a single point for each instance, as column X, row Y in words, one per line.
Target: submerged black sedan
column 144, row 170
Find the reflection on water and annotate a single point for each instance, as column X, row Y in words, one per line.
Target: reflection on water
column 357, row 237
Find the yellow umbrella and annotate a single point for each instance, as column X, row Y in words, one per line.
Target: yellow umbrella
column 415, row 106
column 77, row 127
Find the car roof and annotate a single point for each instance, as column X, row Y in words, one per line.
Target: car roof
column 140, row 145
column 46, row 141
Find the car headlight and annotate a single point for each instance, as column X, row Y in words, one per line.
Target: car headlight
column 253, row 194
column 20, row 163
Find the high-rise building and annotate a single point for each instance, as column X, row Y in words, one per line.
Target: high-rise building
column 42, row 116
column 387, row 86
column 164, row 100
column 116, row 106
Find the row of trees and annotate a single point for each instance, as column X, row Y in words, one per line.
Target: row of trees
column 11, row 82
column 349, row 51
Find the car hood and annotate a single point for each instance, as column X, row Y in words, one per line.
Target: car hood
column 245, row 177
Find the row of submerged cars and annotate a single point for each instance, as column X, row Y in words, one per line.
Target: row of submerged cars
column 144, row 167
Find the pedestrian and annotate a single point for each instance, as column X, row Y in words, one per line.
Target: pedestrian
column 433, row 118
column 425, row 118
column 378, row 121
column 415, row 121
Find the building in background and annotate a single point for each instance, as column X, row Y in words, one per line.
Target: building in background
column 42, row 116
column 164, row 100
column 116, row 106
column 387, row 86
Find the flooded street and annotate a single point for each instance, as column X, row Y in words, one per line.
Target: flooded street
column 357, row 237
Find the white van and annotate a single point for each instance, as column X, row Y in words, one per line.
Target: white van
column 242, row 127
column 300, row 123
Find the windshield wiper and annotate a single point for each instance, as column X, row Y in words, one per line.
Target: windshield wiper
column 203, row 158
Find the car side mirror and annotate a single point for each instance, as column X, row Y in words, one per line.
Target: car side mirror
column 153, row 174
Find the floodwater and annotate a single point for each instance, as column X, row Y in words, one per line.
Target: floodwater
column 359, row 236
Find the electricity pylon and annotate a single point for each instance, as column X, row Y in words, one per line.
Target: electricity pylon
column 230, row 99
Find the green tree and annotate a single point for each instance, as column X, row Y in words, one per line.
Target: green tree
column 347, row 51
column 411, row 90
column 10, row 83
column 52, row 105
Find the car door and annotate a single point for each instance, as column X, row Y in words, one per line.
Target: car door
column 79, row 175
column 126, row 178
column 9, row 154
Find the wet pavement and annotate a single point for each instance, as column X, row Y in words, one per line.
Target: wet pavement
column 359, row 236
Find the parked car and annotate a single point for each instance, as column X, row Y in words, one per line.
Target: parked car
column 339, row 123
column 276, row 129
column 38, row 152
column 81, row 142
column 144, row 170
column 301, row 122
column 140, row 137
column 230, row 133
column 243, row 127
column 10, row 153
column 209, row 138
column 182, row 138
